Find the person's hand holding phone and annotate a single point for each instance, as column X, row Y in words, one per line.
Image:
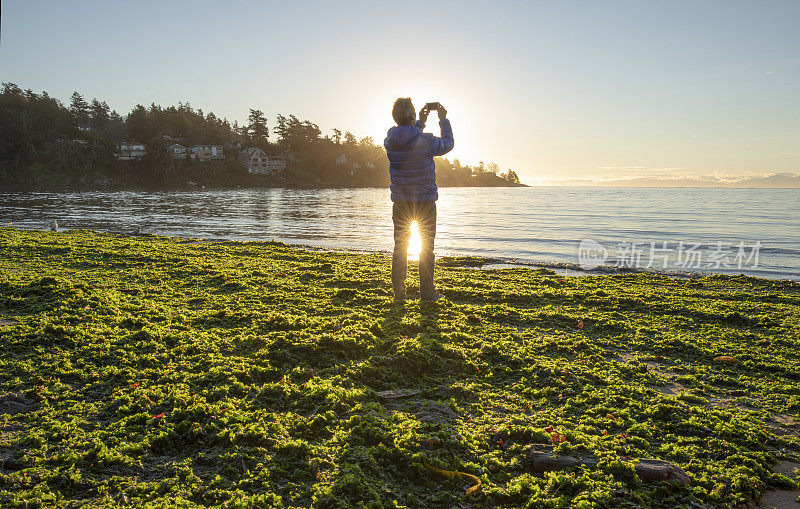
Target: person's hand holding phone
column 435, row 106
column 423, row 114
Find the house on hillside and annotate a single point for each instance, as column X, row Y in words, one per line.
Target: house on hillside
column 257, row 161
column 177, row 151
column 206, row 152
column 129, row 150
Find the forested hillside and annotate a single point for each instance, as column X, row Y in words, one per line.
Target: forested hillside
column 45, row 142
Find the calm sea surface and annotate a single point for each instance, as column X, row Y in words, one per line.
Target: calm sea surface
column 538, row 224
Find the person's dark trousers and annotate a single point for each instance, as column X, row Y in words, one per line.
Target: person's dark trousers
column 403, row 214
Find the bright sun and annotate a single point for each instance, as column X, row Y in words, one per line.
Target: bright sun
column 414, row 243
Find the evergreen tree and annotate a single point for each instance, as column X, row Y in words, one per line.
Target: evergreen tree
column 138, row 124
column 257, row 128
column 281, row 129
column 98, row 114
column 79, row 107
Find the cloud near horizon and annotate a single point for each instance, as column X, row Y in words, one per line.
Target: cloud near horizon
column 673, row 177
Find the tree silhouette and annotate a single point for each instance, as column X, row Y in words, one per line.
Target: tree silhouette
column 79, row 107
column 98, row 114
column 257, row 131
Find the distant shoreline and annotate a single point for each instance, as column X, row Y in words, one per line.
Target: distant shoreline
column 88, row 144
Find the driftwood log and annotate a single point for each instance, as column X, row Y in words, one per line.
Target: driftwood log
column 542, row 459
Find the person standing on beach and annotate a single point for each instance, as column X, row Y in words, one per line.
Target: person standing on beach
column 414, row 191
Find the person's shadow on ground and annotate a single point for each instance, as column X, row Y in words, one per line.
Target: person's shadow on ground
column 398, row 319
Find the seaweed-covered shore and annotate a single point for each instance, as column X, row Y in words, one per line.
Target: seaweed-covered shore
column 174, row 372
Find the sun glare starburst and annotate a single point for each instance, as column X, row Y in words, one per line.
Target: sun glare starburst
column 415, row 242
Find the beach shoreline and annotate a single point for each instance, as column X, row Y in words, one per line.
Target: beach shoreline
column 566, row 269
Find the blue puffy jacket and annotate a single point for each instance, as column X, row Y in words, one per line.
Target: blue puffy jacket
column 411, row 166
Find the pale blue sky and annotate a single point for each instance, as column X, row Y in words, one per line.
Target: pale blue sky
column 551, row 89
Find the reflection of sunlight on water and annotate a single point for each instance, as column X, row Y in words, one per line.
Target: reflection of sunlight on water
column 531, row 224
column 414, row 243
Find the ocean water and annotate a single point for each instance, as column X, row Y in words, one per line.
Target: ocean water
column 750, row 231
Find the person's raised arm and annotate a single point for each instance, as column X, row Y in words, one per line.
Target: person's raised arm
column 423, row 117
column 444, row 144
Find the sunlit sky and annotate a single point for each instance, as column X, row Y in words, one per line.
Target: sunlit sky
column 553, row 90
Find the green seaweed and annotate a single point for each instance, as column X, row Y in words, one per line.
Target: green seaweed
column 168, row 372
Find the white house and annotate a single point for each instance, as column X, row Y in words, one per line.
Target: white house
column 258, row 162
column 177, row 151
column 206, row 152
column 129, row 150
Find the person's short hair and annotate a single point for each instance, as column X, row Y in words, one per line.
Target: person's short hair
column 403, row 111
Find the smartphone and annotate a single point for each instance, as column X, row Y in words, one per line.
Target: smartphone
column 432, row 106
